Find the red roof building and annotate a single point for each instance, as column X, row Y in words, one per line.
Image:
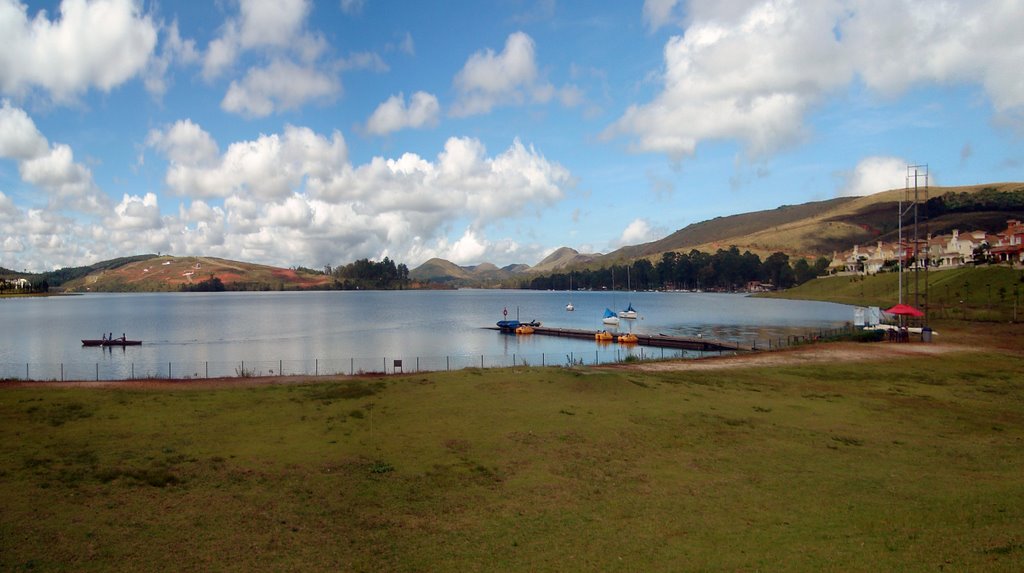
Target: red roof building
column 1009, row 247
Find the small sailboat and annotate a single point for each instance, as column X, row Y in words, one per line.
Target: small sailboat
column 630, row 312
column 569, row 307
column 610, row 317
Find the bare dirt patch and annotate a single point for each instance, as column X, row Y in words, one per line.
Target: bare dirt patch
column 810, row 354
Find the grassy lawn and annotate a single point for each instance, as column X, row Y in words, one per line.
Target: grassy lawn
column 988, row 293
column 894, row 465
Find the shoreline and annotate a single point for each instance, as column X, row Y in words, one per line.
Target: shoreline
column 818, row 353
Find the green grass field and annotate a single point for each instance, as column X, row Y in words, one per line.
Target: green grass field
column 897, row 465
column 990, row 293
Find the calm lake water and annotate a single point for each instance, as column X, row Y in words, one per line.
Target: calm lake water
column 200, row 334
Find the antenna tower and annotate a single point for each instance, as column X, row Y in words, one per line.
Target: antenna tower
column 914, row 206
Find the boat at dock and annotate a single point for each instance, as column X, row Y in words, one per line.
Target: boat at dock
column 512, row 325
column 653, row 340
column 629, row 338
column 630, row 312
column 609, row 317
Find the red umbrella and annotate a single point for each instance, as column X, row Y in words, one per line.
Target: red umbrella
column 904, row 310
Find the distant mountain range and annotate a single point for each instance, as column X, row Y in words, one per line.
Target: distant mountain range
column 808, row 230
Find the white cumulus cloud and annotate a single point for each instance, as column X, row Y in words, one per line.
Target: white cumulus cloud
column 185, row 143
column 873, row 175
column 51, row 168
column 394, row 115
column 260, row 24
column 136, row 213
column 295, row 197
column 638, row 231
column 751, row 71
column 489, row 79
column 97, row 44
column 282, row 85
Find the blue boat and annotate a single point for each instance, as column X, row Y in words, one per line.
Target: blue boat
column 610, row 317
column 512, row 325
column 508, row 325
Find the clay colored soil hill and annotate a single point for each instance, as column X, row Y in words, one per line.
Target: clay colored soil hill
column 167, row 273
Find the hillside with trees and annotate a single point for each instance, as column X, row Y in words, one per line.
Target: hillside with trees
column 725, row 270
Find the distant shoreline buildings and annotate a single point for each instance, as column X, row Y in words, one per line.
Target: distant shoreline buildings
column 940, row 252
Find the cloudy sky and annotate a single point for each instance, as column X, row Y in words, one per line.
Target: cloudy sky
column 294, row 132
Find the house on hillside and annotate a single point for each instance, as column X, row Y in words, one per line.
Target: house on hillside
column 838, row 264
column 1008, row 247
column 878, row 257
column 854, row 262
column 15, row 284
column 958, row 248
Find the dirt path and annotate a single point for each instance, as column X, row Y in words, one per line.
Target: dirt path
column 810, row 354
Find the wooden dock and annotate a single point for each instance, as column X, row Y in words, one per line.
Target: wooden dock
column 655, row 340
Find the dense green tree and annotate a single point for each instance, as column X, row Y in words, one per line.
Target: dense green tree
column 367, row 274
column 212, row 284
column 802, row 271
column 777, row 271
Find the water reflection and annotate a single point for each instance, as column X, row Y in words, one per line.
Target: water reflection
column 341, row 330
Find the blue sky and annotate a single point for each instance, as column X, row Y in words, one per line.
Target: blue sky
column 292, row 132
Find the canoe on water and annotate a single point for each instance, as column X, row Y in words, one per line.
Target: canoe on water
column 115, row 342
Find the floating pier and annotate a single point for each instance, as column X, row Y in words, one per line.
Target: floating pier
column 655, row 340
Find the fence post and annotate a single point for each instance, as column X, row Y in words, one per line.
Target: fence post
column 61, row 371
column 482, row 361
column 97, row 371
column 417, row 363
column 542, row 363
column 280, row 366
column 352, row 366
column 448, row 362
column 169, row 370
column 316, row 366
column 26, row 371
column 207, row 368
column 513, row 359
column 133, row 371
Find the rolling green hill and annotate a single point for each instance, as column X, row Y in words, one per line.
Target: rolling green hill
column 993, row 293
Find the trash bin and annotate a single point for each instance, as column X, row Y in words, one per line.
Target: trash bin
column 926, row 334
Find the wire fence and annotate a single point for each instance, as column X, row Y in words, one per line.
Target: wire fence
column 121, row 370
column 185, row 370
